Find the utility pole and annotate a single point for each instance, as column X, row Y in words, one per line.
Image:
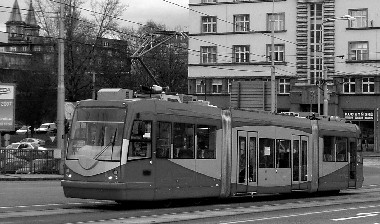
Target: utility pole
column 324, row 72
column 61, row 92
column 273, row 72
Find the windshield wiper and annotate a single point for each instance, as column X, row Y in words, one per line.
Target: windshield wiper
column 106, row 147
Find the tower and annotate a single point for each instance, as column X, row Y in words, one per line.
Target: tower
column 15, row 25
column 31, row 27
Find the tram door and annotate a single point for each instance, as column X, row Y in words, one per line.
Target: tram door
column 354, row 169
column 299, row 166
column 247, row 161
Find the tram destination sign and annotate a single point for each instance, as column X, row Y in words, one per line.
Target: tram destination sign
column 7, row 106
column 359, row 115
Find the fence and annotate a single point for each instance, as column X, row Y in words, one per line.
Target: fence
column 28, row 161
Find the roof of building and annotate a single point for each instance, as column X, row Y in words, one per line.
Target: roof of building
column 30, row 19
column 15, row 14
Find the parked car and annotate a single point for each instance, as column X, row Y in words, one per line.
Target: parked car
column 24, row 130
column 34, row 141
column 27, row 151
column 47, row 127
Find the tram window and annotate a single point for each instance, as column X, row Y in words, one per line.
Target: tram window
column 139, row 150
column 282, row 153
column 266, row 153
column 183, row 141
column 341, row 149
column 141, row 130
column 206, row 142
column 164, row 131
column 329, row 149
column 140, row 145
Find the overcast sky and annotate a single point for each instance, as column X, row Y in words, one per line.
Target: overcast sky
column 138, row 11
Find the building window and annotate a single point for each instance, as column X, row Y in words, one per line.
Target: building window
column 279, row 52
column 241, row 53
column 200, row 86
column 216, row 86
column 277, row 20
column 209, row 24
column 208, row 54
column 361, row 18
column 2, row 49
column 24, row 48
column 241, row 23
column 349, row 85
column 209, row 1
column 368, row 85
column 284, row 86
column 13, row 49
column 37, row 48
column 106, row 44
column 358, row 51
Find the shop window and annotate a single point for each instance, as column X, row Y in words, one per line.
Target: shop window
column 282, row 153
column 183, row 141
column 164, row 130
column 328, row 149
column 206, row 142
column 140, row 143
column 266, row 153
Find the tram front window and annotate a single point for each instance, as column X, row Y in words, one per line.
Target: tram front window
column 97, row 133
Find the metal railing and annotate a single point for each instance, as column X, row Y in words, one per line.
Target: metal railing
column 27, row 161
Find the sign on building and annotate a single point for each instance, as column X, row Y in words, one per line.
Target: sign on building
column 7, row 106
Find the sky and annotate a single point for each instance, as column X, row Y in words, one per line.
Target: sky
column 139, row 11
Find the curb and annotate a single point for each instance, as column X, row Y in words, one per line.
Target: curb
column 31, row 178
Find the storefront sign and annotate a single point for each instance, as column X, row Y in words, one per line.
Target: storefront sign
column 359, row 115
column 7, row 108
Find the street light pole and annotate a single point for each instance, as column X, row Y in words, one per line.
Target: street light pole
column 273, row 72
column 61, row 92
column 324, row 72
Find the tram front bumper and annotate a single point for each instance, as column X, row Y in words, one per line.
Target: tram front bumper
column 108, row 191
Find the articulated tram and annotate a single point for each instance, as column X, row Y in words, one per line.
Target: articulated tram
column 154, row 149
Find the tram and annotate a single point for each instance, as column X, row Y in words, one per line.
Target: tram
column 154, row 149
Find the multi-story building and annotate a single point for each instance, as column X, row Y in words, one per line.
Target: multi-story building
column 318, row 44
column 25, row 50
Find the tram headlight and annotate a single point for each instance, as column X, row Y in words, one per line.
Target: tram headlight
column 68, row 174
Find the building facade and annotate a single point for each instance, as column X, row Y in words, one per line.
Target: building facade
column 317, row 45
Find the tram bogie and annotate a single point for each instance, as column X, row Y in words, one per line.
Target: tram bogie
column 152, row 149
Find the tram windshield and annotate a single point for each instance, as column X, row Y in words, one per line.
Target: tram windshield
column 97, row 133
